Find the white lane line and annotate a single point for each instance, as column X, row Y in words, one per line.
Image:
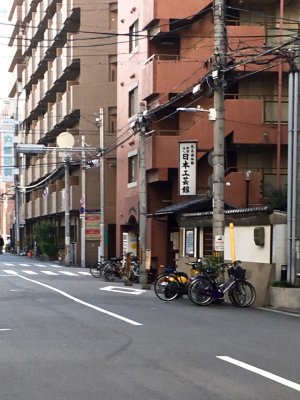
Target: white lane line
column 67, row 273
column 49, row 273
column 261, row 372
column 84, row 303
column 29, row 272
column 4, row 329
column 119, row 289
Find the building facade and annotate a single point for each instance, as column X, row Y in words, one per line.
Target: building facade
column 167, row 63
column 64, row 67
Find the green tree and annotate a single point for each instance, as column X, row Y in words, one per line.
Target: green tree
column 45, row 236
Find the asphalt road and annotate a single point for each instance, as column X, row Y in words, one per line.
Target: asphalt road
column 65, row 335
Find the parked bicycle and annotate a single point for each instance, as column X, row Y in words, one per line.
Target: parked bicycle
column 97, row 269
column 205, row 288
column 174, row 284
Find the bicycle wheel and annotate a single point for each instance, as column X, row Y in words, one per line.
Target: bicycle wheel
column 95, row 270
column 198, row 291
column 110, row 273
column 167, row 287
column 243, row 294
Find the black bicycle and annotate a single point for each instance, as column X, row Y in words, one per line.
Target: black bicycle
column 205, row 289
column 98, row 269
column 174, row 284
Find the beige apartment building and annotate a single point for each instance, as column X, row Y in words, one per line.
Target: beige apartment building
column 63, row 74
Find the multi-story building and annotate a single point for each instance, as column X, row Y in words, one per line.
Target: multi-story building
column 65, row 67
column 167, row 63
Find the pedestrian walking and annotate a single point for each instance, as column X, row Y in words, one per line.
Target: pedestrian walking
column 1, row 244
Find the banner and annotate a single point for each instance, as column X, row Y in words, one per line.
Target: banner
column 187, row 168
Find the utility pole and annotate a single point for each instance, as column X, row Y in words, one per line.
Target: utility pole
column 218, row 151
column 16, row 182
column 142, row 197
column 293, row 195
column 102, row 184
column 82, row 214
column 67, row 210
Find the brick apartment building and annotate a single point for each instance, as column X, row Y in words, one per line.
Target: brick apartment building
column 167, row 63
column 63, row 72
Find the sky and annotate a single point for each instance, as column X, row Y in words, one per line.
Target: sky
column 5, row 51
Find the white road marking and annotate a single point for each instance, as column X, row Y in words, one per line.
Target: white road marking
column 10, row 272
column 4, row 329
column 261, row 372
column 24, row 265
column 280, row 312
column 40, row 265
column 126, row 290
column 54, row 265
column 67, row 273
column 29, row 272
column 9, row 264
column 49, row 273
column 84, row 273
column 84, row 303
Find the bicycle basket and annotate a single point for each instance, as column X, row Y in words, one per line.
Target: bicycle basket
column 169, row 270
column 237, row 272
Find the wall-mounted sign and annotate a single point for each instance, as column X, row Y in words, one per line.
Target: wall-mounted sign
column 8, row 161
column 187, row 168
column 92, row 226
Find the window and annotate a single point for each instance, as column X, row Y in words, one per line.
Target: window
column 112, row 120
column 133, row 102
column 113, row 16
column 112, row 68
column 132, row 168
column 133, row 38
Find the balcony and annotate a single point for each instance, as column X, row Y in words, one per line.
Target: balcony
column 154, row 10
column 254, row 120
column 161, row 75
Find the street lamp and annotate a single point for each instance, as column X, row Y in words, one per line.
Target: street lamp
column 218, row 174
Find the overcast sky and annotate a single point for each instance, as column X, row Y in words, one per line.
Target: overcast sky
column 5, row 51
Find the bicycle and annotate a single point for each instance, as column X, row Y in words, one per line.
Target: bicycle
column 116, row 269
column 97, row 270
column 205, row 288
column 173, row 284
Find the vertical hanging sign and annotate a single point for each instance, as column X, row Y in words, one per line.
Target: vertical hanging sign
column 187, row 168
column 7, row 149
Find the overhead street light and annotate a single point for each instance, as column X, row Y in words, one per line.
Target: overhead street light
column 218, row 176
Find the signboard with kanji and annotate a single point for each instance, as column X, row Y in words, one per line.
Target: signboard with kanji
column 8, row 162
column 187, row 168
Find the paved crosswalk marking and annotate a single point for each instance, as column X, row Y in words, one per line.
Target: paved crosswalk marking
column 54, row 265
column 10, row 272
column 9, row 264
column 68, row 273
column 38, row 271
column 29, row 272
column 24, row 265
column 49, row 273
